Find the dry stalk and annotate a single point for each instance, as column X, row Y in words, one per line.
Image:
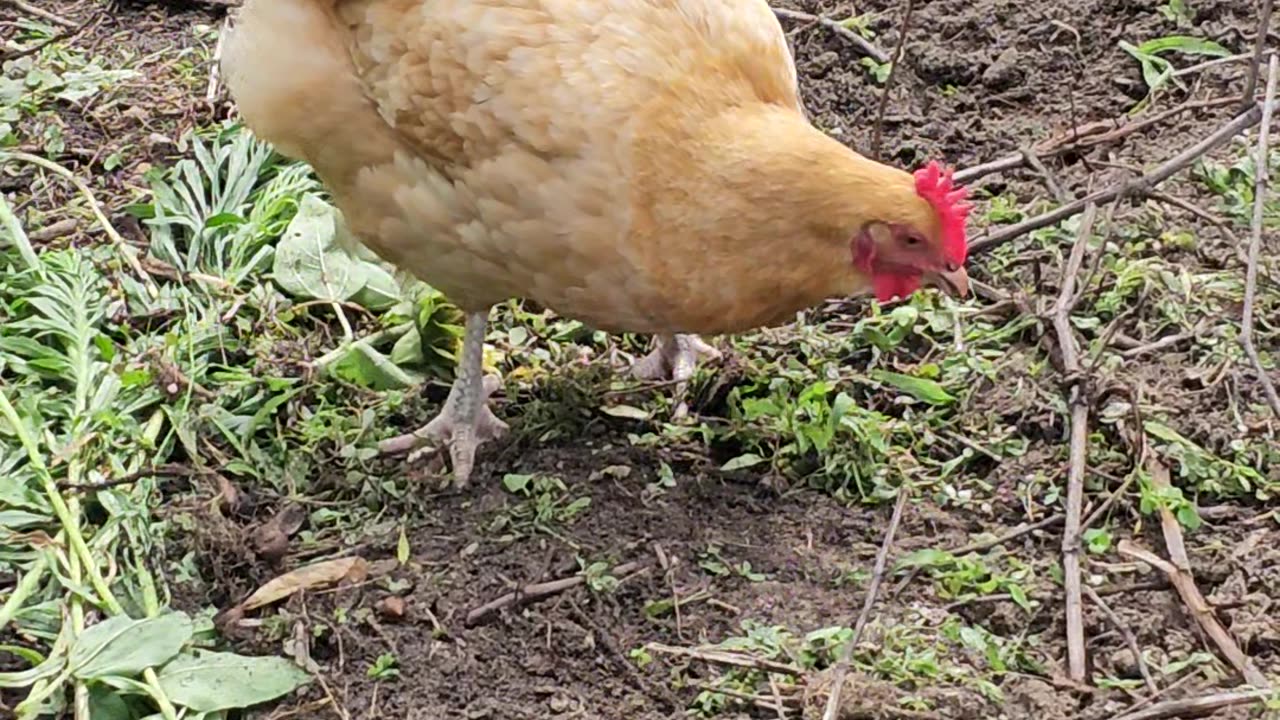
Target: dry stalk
column 1259, row 46
column 1197, row 706
column 538, row 591
column 1185, row 583
column 1260, row 187
column 877, row 578
column 837, row 27
column 1127, row 634
column 1166, row 170
column 903, row 31
column 1079, row 404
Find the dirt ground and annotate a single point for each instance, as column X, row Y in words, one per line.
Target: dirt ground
column 980, row 80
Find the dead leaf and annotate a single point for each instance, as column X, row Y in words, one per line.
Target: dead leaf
column 321, row 574
column 392, row 607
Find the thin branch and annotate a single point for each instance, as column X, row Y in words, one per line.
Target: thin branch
column 1259, row 46
column 125, row 250
column 1197, row 706
column 878, row 128
column 877, row 578
column 723, row 657
column 1260, row 186
column 838, row 28
column 538, row 591
column 40, row 12
column 1164, row 171
column 1127, row 634
column 1091, row 134
column 1078, row 403
column 1185, row 583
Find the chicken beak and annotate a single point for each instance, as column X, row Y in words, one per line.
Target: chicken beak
column 954, row 282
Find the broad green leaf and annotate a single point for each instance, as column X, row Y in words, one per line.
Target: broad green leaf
column 124, row 646
column 742, row 462
column 919, row 388
column 105, row 704
column 515, row 483
column 408, row 349
column 308, row 261
column 926, row 557
column 210, row 681
column 366, row 366
column 380, row 291
column 625, row 411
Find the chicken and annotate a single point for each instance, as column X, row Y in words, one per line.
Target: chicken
column 643, row 166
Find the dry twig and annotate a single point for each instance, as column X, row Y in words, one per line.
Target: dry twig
column 1078, row 402
column 40, row 12
column 1179, row 571
column 903, row 31
column 877, row 578
column 1139, row 186
column 1260, row 187
column 1127, row 634
column 838, row 28
column 538, row 591
column 1091, row 134
column 1197, row 706
column 1260, row 45
column 127, row 251
column 721, row 657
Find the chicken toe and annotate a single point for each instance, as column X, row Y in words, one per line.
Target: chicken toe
column 466, row 421
column 674, row 358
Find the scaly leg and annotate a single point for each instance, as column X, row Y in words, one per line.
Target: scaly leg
column 466, row 420
column 674, row 358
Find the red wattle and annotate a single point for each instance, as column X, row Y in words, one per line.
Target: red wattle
column 888, row 286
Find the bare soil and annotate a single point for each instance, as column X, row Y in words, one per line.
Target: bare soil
column 980, row 80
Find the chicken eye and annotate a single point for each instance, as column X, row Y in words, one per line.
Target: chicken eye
column 913, row 240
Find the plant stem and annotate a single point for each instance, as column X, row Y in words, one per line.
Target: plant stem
column 26, row 588
column 70, row 524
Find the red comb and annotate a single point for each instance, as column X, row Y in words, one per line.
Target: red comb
column 936, row 185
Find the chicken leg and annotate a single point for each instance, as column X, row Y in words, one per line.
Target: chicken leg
column 674, row 358
column 465, row 421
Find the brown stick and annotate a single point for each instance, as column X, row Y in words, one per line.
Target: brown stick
column 878, row 128
column 1127, row 634
column 1198, row 706
column 1085, row 136
column 40, row 12
column 1260, row 186
column 877, row 577
column 1169, row 168
column 838, row 28
column 721, row 657
column 538, row 591
column 1185, row 583
column 1259, row 45
column 1079, row 445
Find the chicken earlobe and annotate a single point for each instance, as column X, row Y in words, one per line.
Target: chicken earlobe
column 465, row 422
column 674, row 358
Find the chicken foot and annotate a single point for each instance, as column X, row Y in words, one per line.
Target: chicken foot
column 674, row 358
column 466, row 421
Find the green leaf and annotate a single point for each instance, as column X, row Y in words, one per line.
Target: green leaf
column 380, row 291
column 366, row 366
column 742, row 462
column 625, row 411
column 926, row 557
column 308, row 261
column 402, row 547
column 124, row 646
column 516, row 483
column 919, row 388
column 408, row 349
column 210, row 681
column 1183, row 44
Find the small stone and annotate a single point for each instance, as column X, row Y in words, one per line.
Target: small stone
column 1004, row 72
